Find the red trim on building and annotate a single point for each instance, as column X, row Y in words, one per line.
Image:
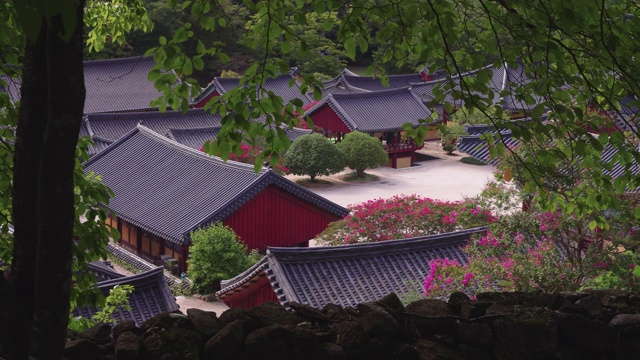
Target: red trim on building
column 277, row 218
column 327, row 119
column 203, row 102
column 251, row 294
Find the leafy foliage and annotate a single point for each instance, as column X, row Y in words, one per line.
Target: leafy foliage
column 362, row 152
column 541, row 250
column 216, row 253
column 118, row 299
column 313, row 155
column 450, row 133
column 402, row 217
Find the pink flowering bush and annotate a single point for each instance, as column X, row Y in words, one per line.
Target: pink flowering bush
column 404, row 216
column 512, row 264
column 536, row 251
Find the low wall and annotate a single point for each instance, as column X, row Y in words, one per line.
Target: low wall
column 586, row 325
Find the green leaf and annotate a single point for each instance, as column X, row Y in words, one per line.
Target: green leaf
column 350, row 48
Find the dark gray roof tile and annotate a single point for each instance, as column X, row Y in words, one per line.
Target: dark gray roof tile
column 117, row 85
column 371, row 83
column 278, row 85
column 150, row 297
column 377, row 111
column 170, row 189
column 352, row 274
column 115, row 125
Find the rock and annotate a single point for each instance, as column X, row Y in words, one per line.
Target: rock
column 588, row 338
column 100, row 333
column 335, row 312
column 309, row 313
column 429, row 307
column 432, row 350
column 126, row 325
column 168, row 321
column 429, row 326
column 475, row 309
column 573, row 296
column 171, row 344
column 128, row 346
column 82, row 349
column 270, row 313
column 303, row 342
column 592, row 305
column 232, row 315
column 350, row 336
column 529, row 333
column 626, row 323
column 366, row 308
column 392, row 302
column 204, row 322
column 227, row 343
column 378, row 323
column 510, row 298
column 267, row 343
column 456, row 299
column 476, row 334
column 328, row 351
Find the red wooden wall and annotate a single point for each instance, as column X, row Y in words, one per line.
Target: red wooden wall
column 276, row 218
column 201, row 103
column 327, row 119
column 254, row 295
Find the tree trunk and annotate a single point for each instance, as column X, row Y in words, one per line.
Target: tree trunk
column 52, row 103
column 360, row 173
column 28, row 148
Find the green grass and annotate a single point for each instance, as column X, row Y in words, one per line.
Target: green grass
column 472, row 161
column 353, row 177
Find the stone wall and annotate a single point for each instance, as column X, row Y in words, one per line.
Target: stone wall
column 587, row 325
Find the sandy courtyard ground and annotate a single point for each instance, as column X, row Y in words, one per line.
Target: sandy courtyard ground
column 444, row 178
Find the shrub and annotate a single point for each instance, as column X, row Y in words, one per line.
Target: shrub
column 313, row 155
column 449, row 134
column 472, row 161
column 362, row 152
column 403, row 217
column 449, row 149
column 540, row 251
column 216, row 253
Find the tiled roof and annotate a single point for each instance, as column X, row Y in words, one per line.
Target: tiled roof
column 169, row 189
column 12, row 87
column 116, row 125
column 278, row 85
column 352, row 274
column 424, row 90
column 478, row 148
column 150, row 297
column 117, row 85
column 112, row 85
column 371, row 83
column 195, row 138
column 377, row 111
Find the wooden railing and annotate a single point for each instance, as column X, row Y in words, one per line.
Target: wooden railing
column 405, row 146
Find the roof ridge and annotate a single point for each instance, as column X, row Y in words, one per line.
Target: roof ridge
column 191, row 130
column 147, row 114
column 117, row 60
column 453, row 77
column 370, row 94
column 193, row 152
column 356, row 249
